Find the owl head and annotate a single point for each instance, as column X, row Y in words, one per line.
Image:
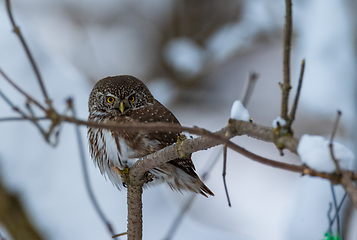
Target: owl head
column 118, row 95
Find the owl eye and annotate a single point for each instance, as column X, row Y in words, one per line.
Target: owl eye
column 110, row 99
column 131, row 98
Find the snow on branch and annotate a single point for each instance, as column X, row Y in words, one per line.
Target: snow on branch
column 314, row 151
column 239, row 112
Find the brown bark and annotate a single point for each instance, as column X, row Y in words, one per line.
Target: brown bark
column 135, row 216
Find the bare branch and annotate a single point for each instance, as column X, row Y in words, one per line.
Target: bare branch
column 10, row 119
column 287, row 49
column 135, row 215
column 210, row 140
column 21, row 91
column 334, row 130
column 335, row 127
column 119, row 235
column 291, row 117
column 234, row 128
column 350, row 189
column 202, row 143
column 336, row 209
column 12, row 105
column 17, row 31
column 224, row 173
column 253, row 77
column 31, row 118
column 329, row 219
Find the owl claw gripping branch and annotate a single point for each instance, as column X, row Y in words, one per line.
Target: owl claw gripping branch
column 126, row 99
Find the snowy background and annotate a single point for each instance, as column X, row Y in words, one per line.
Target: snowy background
column 195, row 57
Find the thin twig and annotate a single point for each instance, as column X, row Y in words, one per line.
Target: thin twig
column 188, row 202
column 85, row 173
column 21, row 91
column 33, row 119
column 329, row 219
column 253, row 77
column 291, row 117
column 12, row 105
column 28, row 53
column 11, row 119
column 336, row 209
column 224, row 173
column 334, row 130
column 119, row 235
column 287, row 49
column 335, row 127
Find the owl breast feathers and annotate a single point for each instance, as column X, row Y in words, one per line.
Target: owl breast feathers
column 126, row 99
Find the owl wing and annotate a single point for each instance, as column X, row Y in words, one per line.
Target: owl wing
column 157, row 112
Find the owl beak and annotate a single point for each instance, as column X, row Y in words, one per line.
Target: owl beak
column 121, row 106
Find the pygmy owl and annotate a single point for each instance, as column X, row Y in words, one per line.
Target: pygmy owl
column 126, row 99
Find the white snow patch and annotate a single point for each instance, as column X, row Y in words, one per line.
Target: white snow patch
column 239, row 112
column 314, row 151
column 279, row 122
column 185, row 56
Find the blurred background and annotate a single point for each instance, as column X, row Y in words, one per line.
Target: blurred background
column 195, row 57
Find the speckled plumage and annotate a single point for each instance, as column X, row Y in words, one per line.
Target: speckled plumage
column 121, row 149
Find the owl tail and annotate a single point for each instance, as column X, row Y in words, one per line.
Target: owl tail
column 204, row 189
column 185, row 178
column 194, row 184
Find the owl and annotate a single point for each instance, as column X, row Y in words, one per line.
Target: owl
column 126, row 99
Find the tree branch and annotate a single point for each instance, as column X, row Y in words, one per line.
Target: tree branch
column 348, row 186
column 291, row 117
column 287, row 49
column 253, row 77
column 135, row 215
column 21, row 91
column 17, row 31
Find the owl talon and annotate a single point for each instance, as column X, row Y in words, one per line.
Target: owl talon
column 180, row 138
column 124, row 174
